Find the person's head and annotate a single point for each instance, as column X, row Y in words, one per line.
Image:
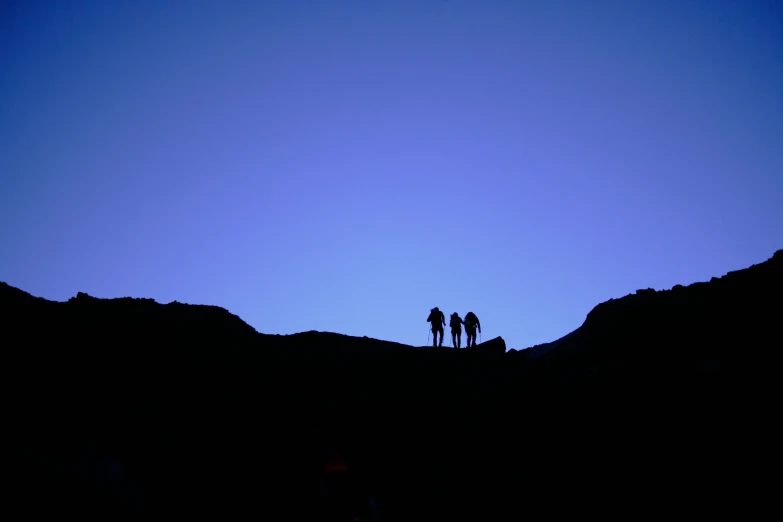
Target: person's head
column 434, row 309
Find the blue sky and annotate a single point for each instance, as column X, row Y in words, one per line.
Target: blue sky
column 347, row 165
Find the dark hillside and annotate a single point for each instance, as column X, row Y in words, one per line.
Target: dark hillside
column 130, row 406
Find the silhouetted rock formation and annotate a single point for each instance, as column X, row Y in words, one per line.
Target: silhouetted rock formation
column 127, row 405
column 496, row 346
column 690, row 324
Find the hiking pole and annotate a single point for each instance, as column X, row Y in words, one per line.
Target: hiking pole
column 428, row 338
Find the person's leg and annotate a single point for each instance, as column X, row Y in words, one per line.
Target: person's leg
column 454, row 339
column 434, row 337
column 441, row 337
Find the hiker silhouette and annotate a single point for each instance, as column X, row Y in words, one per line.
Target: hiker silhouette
column 438, row 321
column 456, row 330
column 471, row 322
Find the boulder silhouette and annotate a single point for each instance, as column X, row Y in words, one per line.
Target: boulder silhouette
column 496, row 345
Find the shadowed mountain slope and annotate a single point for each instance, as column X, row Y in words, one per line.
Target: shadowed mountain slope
column 691, row 325
column 130, row 406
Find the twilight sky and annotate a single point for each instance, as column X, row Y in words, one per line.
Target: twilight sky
column 347, row 165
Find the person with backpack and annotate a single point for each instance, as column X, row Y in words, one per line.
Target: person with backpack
column 471, row 322
column 456, row 330
column 438, row 321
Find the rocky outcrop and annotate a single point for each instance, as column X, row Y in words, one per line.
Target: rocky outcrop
column 495, row 346
column 685, row 328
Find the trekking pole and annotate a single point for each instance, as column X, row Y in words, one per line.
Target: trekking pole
column 428, row 338
column 479, row 337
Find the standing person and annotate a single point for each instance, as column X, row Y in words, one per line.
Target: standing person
column 438, row 321
column 471, row 322
column 456, row 330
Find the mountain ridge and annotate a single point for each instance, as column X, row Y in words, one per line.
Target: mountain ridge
column 203, row 415
column 744, row 293
column 766, row 268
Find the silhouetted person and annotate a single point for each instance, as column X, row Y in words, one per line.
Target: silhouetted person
column 438, row 321
column 471, row 322
column 456, row 330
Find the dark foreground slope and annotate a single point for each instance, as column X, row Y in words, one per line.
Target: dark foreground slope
column 128, row 406
column 693, row 324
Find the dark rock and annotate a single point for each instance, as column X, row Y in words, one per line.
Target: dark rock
column 130, row 407
column 496, row 346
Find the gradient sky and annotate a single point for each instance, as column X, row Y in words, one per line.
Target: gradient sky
column 347, row 165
